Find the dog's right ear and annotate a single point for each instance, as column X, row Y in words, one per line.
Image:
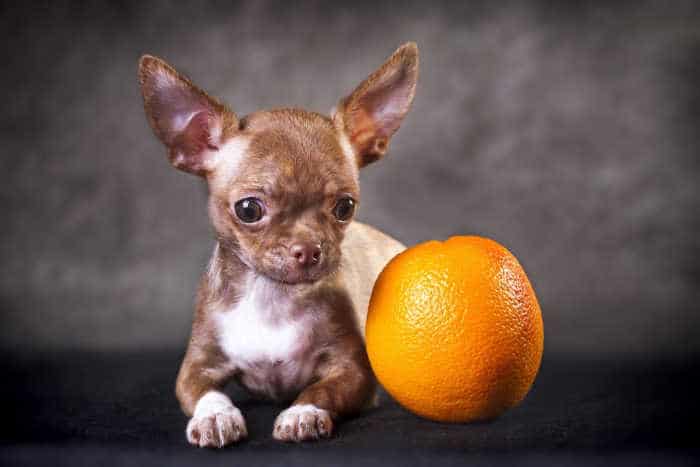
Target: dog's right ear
column 188, row 121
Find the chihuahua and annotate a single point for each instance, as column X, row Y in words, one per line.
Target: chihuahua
column 281, row 308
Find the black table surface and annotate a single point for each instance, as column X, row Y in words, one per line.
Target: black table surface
column 119, row 409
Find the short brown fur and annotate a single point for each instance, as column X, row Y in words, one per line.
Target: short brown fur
column 297, row 166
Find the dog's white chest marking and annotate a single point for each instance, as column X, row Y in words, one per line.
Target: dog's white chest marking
column 269, row 342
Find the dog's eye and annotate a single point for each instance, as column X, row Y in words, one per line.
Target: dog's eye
column 249, row 210
column 344, row 209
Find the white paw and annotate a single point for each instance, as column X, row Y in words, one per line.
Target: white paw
column 216, row 422
column 301, row 423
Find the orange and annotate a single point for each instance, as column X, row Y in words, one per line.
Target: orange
column 454, row 331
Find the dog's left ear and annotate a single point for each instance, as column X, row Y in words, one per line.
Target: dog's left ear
column 186, row 119
column 374, row 111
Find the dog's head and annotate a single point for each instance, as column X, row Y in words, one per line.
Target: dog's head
column 283, row 184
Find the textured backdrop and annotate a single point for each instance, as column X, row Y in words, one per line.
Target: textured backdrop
column 569, row 134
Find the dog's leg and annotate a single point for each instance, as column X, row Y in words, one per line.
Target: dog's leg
column 345, row 385
column 215, row 421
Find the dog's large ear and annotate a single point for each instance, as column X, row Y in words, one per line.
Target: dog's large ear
column 374, row 111
column 188, row 121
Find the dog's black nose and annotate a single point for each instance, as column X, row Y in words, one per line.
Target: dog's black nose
column 306, row 253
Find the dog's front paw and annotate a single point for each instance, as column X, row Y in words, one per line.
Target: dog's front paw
column 301, row 423
column 216, row 423
column 217, row 430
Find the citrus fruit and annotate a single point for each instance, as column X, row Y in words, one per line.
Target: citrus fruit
column 454, row 331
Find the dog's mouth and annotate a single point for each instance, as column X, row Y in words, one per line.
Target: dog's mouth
column 295, row 279
column 277, row 269
column 297, row 276
column 292, row 276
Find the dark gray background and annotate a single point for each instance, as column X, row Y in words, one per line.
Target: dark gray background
column 567, row 133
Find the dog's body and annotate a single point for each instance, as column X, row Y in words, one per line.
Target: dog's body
column 282, row 305
column 291, row 329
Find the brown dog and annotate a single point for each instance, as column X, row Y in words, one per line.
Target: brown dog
column 282, row 305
